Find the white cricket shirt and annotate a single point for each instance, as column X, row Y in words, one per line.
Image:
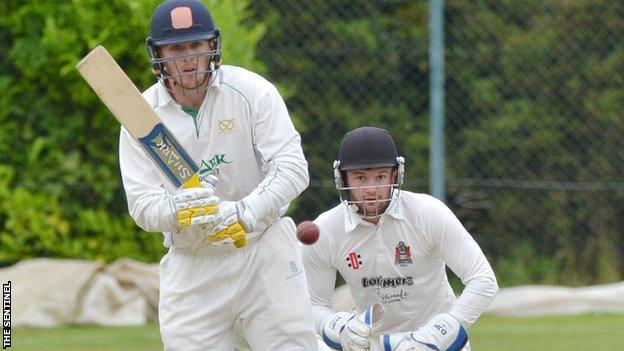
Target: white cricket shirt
column 400, row 263
column 242, row 134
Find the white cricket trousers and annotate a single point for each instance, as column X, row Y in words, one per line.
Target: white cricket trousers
column 263, row 285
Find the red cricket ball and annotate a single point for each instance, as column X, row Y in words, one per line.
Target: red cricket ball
column 307, row 232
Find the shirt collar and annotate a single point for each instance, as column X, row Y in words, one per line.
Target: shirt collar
column 395, row 209
column 352, row 219
column 216, row 79
column 162, row 95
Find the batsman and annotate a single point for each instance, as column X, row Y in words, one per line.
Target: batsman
column 392, row 248
column 232, row 258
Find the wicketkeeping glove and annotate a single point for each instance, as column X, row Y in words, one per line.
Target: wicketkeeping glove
column 195, row 206
column 442, row 332
column 350, row 332
column 234, row 220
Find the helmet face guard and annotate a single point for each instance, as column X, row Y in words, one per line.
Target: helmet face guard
column 175, row 75
column 367, row 148
column 177, row 22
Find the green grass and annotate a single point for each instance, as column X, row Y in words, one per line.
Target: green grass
column 602, row 332
column 88, row 338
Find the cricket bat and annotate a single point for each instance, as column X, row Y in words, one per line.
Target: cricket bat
column 126, row 103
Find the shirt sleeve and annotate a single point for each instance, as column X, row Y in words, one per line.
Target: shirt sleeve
column 149, row 202
column 321, row 276
column 465, row 258
column 279, row 147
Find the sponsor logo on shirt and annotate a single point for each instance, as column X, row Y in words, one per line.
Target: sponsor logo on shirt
column 387, row 282
column 211, row 166
column 379, row 283
column 402, row 255
column 227, row 126
column 354, row 260
column 391, row 297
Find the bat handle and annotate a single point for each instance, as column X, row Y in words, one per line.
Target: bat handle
column 192, row 182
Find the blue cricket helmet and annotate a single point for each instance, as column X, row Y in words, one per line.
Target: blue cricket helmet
column 181, row 21
column 178, row 21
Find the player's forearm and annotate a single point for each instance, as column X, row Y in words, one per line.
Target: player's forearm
column 287, row 177
column 148, row 202
column 153, row 213
column 480, row 283
column 321, row 314
column 463, row 255
column 476, row 297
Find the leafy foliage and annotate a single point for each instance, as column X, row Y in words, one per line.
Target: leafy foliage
column 534, row 98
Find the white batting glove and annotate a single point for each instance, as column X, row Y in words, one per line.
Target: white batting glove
column 442, row 332
column 195, row 206
column 350, row 332
column 234, row 220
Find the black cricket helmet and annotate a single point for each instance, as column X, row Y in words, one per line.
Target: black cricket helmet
column 366, row 148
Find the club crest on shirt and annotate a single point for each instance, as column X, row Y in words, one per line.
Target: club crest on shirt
column 354, row 260
column 227, row 126
column 402, row 255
